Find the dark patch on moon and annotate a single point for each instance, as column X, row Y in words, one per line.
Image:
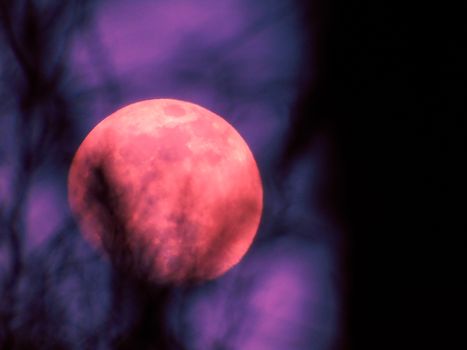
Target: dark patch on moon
column 172, row 145
column 130, row 256
column 174, row 110
column 213, row 157
column 140, row 154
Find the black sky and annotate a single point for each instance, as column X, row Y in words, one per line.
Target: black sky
column 391, row 93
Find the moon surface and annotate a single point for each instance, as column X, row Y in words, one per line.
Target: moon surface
column 168, row 190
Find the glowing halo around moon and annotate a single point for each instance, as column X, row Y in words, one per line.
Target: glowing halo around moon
column 168, row 190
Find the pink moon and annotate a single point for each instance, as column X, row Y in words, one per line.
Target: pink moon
column 167, row 190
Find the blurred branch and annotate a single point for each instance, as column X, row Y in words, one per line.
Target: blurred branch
column 37, row 35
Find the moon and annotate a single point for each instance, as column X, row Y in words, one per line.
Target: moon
column 167, row 190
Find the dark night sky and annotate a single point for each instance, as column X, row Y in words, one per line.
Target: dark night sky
column 395, row 83
column 355, row 111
